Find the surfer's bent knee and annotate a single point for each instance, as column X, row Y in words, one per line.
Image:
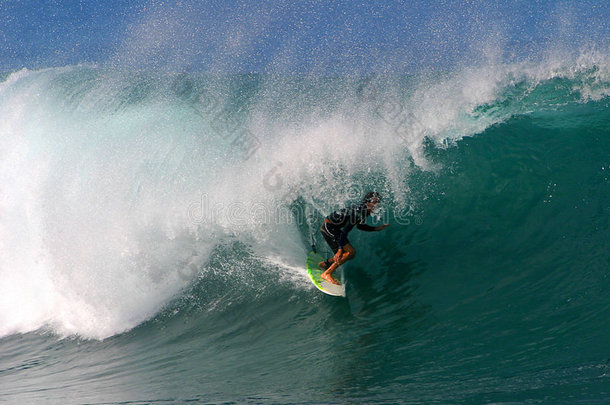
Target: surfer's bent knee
column 350, row 253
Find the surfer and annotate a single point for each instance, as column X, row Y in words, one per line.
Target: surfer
column 337, row 225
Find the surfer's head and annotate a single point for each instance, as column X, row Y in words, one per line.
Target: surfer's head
column 371, row 200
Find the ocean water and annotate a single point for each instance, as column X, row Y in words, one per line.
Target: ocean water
column 154, row 229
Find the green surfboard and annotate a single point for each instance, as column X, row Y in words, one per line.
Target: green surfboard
column 315, row 272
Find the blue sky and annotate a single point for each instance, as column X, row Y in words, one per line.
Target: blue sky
column 291, row 36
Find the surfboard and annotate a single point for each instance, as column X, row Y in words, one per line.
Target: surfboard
column 315, row 272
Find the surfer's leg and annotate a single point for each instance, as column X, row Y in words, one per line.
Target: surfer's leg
column 348, row 253
column 333, row 243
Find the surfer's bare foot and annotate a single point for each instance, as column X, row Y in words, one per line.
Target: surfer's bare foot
column 330, row 278
column 323, row 265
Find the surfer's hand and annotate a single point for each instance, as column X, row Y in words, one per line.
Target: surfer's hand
column 380, row 227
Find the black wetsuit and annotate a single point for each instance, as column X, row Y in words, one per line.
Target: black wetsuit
column 341, row 222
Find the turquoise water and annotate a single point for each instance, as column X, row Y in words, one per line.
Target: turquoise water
column 154, row 232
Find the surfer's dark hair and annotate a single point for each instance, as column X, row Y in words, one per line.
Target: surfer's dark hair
column 371, row 195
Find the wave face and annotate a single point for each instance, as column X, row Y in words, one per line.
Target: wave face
column 157, row 224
